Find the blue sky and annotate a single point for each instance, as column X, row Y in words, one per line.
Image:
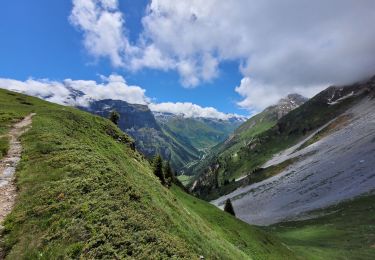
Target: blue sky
column 236, row 56
column 38, row 41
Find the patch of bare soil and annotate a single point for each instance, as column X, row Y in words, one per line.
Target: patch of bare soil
column 8, row 166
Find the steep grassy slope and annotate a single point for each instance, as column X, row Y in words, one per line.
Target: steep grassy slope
column 84, row 192
column 344, row 231
column 230, row 147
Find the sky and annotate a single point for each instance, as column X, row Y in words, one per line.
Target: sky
column 200, row 58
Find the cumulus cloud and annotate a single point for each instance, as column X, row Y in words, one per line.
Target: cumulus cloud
column 78, row 92
column 188, row 109
column 258, row 95
column 82, row 92
column 103, row 27
column 280, row 45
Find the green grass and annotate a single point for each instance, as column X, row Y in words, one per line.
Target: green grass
column 84, row 193
column 226, row 153
column 4, row 146
column 344, row 231
column 184, row 179
column 250, row 241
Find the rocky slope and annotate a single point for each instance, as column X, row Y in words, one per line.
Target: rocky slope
column 330, row 164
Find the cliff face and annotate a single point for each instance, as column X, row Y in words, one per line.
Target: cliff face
column 132, row 116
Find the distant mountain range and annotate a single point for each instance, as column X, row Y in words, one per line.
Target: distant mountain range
column 179, row 139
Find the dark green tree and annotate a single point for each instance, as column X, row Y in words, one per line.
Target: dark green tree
column 158, row 168
column 228, row 207
column 114, row 116
column 168, row 174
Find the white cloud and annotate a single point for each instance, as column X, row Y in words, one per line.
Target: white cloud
column 281, row 45
column 103, row 27
column 82, row 92
column 52, row 91
column 112, row 87
column 258, row 95
column 188, row 109
column 151, row 57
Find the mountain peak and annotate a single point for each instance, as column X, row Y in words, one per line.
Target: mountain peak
column 293, row 98
column 287, row 104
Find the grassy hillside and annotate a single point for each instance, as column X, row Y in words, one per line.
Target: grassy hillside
column 85, row 193
column 228, row 149
column 344, row 231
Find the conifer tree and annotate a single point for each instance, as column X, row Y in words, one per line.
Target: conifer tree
column 229, row 207
column 114, row 116
column 158, row 168
column 168, row 174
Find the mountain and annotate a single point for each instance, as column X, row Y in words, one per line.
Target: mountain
column 203, row 133
column 229, row 149
column 261, row 122
column 318, row 154
column 177, row 138
column 318, row 185
column 150, row 139
column 85, row 193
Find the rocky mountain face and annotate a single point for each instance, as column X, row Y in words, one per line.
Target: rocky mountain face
column 132, row 116
column 287, row 104
column 212, row 171
column 150, row 139
column 331, row 163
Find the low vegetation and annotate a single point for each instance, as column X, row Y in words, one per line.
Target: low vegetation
column 84, row 192
column 343, row 231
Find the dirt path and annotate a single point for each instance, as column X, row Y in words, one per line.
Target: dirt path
column 8, row 167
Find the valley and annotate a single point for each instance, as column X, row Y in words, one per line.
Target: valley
column 84, row 192
column 179, row 139
column 192, row 130
column 294, row 171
